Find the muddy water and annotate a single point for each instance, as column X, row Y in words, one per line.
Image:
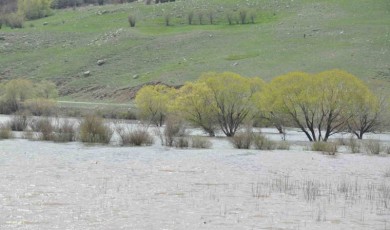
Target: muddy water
column 71, row 186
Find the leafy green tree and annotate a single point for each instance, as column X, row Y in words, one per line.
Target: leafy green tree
column 152, row 102
column 232, row 95
column 194, row 102
column 320, row 104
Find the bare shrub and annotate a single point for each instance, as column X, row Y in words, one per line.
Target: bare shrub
column 5, row 132
column 14, row 20
column 372, row 146
column 174, row 127
column 329, row 148
column 19, row 122
column 181, row 142
column 40, row 106
column 242, row 140
column 200, row 142
column 283, row 145
column 93, row 130
column 65, row 131
column 131, row 20
column 137, row 137
column 44, row 127
column 263, row 143
column 353, row 145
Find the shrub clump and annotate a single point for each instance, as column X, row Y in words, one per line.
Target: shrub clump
column 131, row 20
column 40, row 106
column 329, row 148
column 372, row 146
column 353, row 145
column 137, row 137
column 263, row 143
column 65, row 131
column 93, row 130
column 173, row 131
column 19, row 122
column 5, row 132
column 44, row 127
column 242, row 140
column 200, row 142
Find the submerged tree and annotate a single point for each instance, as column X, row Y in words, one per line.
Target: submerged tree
column 320, row 104
column 232, row 95
column 152, row 103
column 194, row 102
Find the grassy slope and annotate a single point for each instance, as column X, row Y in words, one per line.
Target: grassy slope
column 350, row 35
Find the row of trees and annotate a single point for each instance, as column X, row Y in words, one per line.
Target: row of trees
column 319, row 104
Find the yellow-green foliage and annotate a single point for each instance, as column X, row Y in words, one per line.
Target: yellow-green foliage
column 320, row 104
column 194, row 102
column 232, row 94
column 20, row 91
column 153, row 101
column 34, row 9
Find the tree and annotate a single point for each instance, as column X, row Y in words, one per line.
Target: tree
column 46, row 89
column 16, row 91
column 232, row 95
column 320, row 104
column 368, row 115
column 152, row 102
column 194, row 102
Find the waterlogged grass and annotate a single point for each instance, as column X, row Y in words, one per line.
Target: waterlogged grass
column 286, row 36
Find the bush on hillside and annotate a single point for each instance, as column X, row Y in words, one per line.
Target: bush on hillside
column 131, row 20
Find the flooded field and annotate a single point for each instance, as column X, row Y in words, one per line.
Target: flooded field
column 47, row 185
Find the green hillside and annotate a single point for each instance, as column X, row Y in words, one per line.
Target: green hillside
column 288, row 35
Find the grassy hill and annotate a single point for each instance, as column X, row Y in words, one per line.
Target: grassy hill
column 288, row 35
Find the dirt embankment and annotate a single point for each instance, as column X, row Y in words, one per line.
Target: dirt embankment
column 99, row 92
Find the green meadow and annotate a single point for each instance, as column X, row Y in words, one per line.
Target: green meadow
column 298, row 35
